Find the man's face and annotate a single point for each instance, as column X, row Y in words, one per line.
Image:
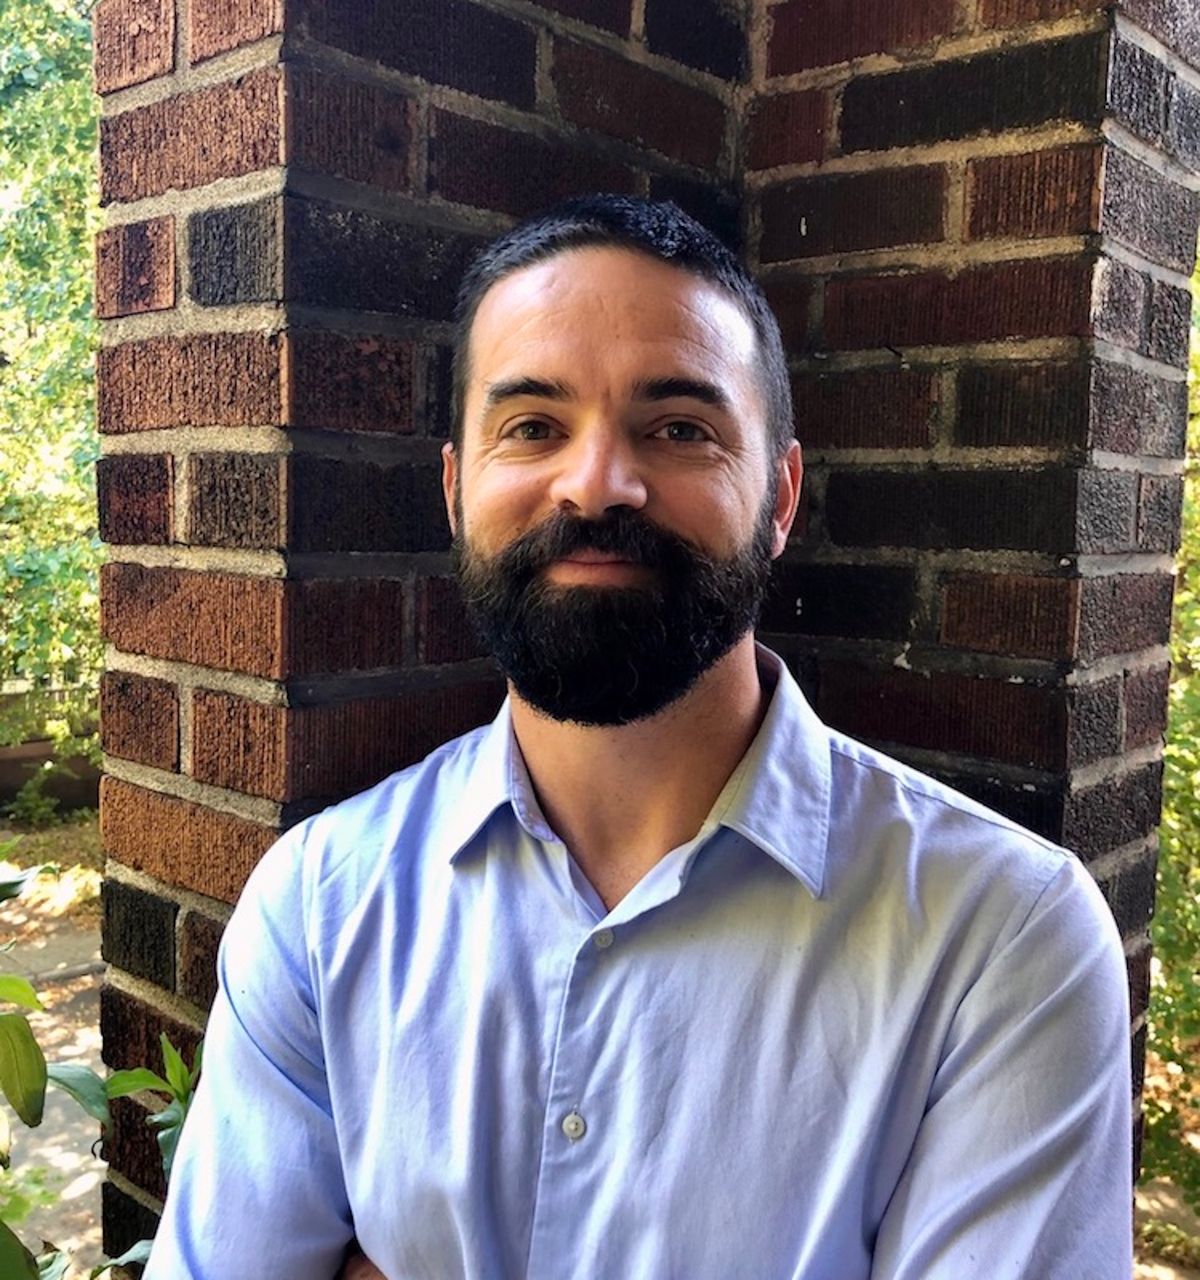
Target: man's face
column 615, row 499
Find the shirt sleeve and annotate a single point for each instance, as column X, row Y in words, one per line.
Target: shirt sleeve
column 1022, row 1164
column 257, row 1186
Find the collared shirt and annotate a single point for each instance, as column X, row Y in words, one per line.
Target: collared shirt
column 859, row 1026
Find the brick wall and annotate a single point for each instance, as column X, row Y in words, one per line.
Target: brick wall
column 978, row 221
column 975, row 218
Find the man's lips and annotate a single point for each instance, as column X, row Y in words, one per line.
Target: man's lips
column 587, row 556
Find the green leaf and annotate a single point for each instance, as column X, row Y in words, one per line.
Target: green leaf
column 22, row 1069
column 53, row 1266
column 140, row 1252
column 18, row 990
column 5, row 1141
column 122, row 1083
column 84, row 1085
column 195, row 1078
column 178, row 1076
column 13, row 886
column 169, row 1123
column 15, row 1260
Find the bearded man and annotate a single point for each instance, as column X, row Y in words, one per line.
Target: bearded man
column 655, row 976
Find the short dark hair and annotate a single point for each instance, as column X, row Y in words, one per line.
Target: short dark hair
column 659, row 229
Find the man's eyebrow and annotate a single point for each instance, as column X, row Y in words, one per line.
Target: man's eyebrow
column 681, row 388
column 512, row 388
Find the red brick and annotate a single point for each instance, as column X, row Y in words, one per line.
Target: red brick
column 347, row 129
column 1124, row 612
column 180, row 843
column 338, row 625
column 1138, row 972
column 444, row 632
column 1010, row 13
column 130, row 1029
column 131, row 1147
column 134, row 41
column 139, row 719
column 204, row 380
column 1005, row 403
column 788, row 128
column 1034, row 299
column 220, row 132
column 220, row 620
column 293, row 753
column 472, row 162
column 199, row 938
column 1043, row 193
column 818, row 33
column 350, row 384
column 807, row 217
column 234, row 500
column 599, row 90
column 1160, row 503
column 867, row 409
column 706, row 34
column 1146, row 706
column 1020, row 616
column 134, row 497
column 215, row 26
column 791, row 300
column 991, row 719
column 135, row 268
column 612, row 15
column 125, row 1220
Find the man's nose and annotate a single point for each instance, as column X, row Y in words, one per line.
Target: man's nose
column 599, row 471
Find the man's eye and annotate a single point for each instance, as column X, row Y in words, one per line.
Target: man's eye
column 683, row 432
column 531, row 429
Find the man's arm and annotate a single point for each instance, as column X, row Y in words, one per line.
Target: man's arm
column 1022, row 1166
column 257, row 1186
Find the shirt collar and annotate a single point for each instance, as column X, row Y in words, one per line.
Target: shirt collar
column 778, row 798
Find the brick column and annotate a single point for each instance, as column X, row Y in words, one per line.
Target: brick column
column 292, row 191
column 977, row 221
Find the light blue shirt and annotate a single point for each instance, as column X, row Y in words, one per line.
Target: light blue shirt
column 858, row 1027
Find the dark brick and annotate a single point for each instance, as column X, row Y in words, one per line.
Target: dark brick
column 138, row 932
column 872, row 601
column 818, row 33
column 1003, row 404
column 444, row 632
column 134, row 42
column 1137, row 968
column 600, row 90
column 989, row 719
column 1175, row 23
column 234, row 500
column 337, row 625
column 134, row 496
column 1169, row 324
column 1047, row 297
column 701, row 33
column 435, row 413
column 1016, row 615
column 1041, row 193
column 345, row 258
column 448, row 42
column 362, row 383
column 340, row 505
column 1122, row 296
column 807, row 217
column 1010, row 13
column 1139, row 89
column 716, row 207
column 1017, row 510
column 347, row 129
column 234, row 254
column 866, row 409
column 1150, row 213
column 1160, row 503
column 473, row 162
column 135, row 268
column 612, row 15
column 1183, row 124
column 989, row 93
column 215, row 26
column 1137, row 412
column 139, row 719
column 1039, row 807
column 1137, row 1054
column 124, row 1220
column 131, row 1147
column 199, row 938
column 791, row 300
column 1146, row 706
column 1130, row 895
column 1124, row 612
column 1094, row 729
column 1106, row 510
column 130, row 1030
column 787, row 128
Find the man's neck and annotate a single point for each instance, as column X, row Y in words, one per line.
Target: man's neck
column 621, row 798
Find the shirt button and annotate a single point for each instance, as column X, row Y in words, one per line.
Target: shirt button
column 574, row 1126
column 603, row 939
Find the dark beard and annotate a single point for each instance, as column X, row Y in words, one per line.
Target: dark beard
column 612, row 655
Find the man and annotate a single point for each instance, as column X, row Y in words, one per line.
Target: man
column 655, row 976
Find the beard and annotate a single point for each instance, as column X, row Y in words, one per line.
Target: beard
column 612, row 655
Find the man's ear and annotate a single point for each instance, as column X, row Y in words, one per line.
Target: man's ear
column 787, row 496
column 450, row 484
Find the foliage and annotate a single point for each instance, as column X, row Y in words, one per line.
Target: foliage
column 49, row 548
column 1174, row 1021
column 1168, row 1243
